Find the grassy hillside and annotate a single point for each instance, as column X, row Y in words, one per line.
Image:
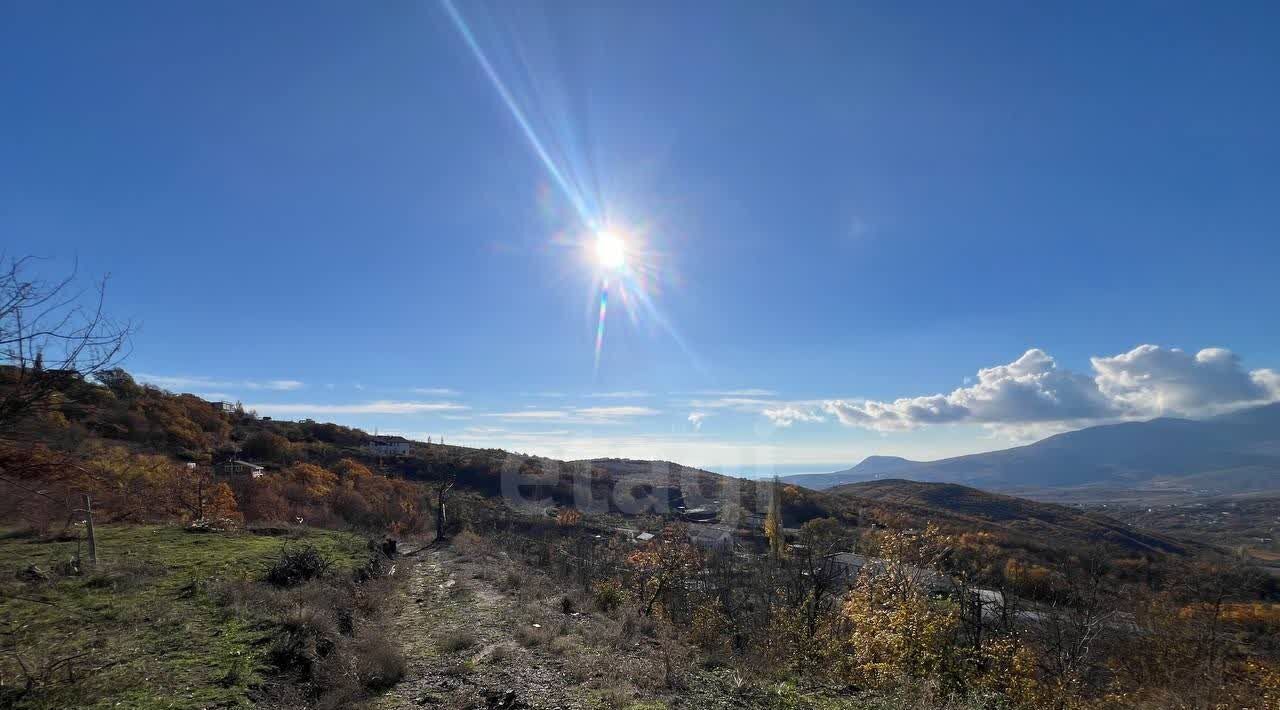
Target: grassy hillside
column 144, row 627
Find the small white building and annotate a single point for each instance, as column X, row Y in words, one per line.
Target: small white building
column 388, row 447
column 236, row 467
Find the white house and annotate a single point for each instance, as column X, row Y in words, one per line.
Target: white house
column 237, row 467
column 388, row 447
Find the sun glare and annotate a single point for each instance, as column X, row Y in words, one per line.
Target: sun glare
column 611, row 253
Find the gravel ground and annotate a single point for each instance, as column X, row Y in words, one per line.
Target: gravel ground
column 484, row 632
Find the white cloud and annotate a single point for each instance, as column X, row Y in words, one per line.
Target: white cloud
column 435, row 391
column 198, row 382
column 622, row 394
column 695, row 418
column 615, row 412
column 749, row 392
column 789, row 414
column 535, row 414
column 1033, row 394
column 379, row 407
column 1268, row 380
column 581, row 415
column 1152, row 380
column 741, row 404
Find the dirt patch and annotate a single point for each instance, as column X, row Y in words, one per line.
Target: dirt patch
column 461, row 635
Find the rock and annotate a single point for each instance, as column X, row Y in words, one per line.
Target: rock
column 502, row 700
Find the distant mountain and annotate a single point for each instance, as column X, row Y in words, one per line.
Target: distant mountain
column 963, row 508
column 1230, row 453
column 872, row 467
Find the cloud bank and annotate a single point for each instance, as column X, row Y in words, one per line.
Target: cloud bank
column 790, row 414
column 1147, row 381
column 379, row 407
column 581, row 415
column 184, row 382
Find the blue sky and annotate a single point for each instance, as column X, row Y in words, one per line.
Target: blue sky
column 835, row 214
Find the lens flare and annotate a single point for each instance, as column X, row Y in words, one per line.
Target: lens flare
column 604, row 307
column 611, row 253
column 520, row 61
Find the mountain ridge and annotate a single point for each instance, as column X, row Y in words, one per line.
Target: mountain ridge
column 1228, row 453
column 963, row 508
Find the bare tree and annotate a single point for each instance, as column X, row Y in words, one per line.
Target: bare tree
column 442, row 500
column 816, row 581
column 1081, row 613
column 51, row 334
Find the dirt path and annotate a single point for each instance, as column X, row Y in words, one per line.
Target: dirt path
column 460, row 636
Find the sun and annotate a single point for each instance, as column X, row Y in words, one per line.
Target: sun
column 611, row 253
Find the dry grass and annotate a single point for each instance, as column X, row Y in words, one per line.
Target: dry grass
column 455, row 641
column 565, row 646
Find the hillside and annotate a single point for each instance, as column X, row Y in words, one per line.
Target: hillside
column 1232, row 453
column 511, row 600
column 149, row 421
column 962, row 507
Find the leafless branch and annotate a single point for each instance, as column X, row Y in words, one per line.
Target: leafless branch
column 51, row 335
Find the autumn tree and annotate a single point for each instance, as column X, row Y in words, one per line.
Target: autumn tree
column 568, row 517
column 53, row 337
column 350, row 470
column 200, row 497
column 897, row 632
column 773, row 521
column 263, row 499
column 267, row 446
column 313, row 482
column 661, row 566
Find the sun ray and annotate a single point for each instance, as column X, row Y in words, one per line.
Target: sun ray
column 619, row 253
column 574, row 195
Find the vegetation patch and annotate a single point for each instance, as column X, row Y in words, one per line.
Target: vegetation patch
column 147, row 626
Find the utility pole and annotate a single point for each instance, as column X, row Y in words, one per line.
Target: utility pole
column 88, row 519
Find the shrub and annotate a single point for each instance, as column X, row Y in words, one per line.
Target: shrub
column 308, row 633
column 607, row 595
column 379, row 660
column 529, row 635
column 456, row 641
column 293, row 567
column 565, row 646
column 512, row 581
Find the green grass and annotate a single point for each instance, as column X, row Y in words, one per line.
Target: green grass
column 145, row 617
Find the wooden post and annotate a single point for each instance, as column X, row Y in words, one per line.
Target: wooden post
column 88, row 519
